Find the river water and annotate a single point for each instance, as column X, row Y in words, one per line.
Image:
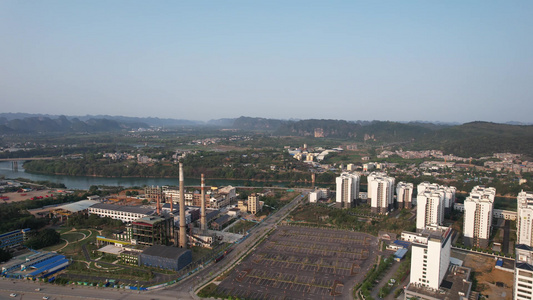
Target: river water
column 84, row 182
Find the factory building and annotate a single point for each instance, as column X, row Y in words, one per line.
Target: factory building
column 153, row 230
column 126, row 214
column 166, row 257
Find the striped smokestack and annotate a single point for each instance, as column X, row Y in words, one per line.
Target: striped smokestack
column 183, row 236
column 202, row 208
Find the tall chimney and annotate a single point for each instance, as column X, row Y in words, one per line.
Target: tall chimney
column 171, row 204
column 203, row 226
column 183, row 236
column 157, row 206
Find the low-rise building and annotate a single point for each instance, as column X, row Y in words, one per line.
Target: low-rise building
column 13, row 238
column 78, row 207
column 219, row 223
column 166, row 257
column 126, row 214
column 153, row 230
column 242, row 205
column 201, row 238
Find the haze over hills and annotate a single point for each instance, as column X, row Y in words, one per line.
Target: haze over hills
column 469, row 139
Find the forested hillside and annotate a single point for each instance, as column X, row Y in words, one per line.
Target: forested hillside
column 62, row 124
column 481, row 138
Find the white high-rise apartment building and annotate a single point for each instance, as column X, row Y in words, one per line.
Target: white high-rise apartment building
column 449, row 198
column 380, row 192
column 478, row 216
column 404, row 194
column 432, row 276
column 429, row 208
column 449, row 193
column 524, row 224
column 432, row 248
column 370, row 178
column 347, row 189
column 421, row 188
column 431, row 203
column 523, row 272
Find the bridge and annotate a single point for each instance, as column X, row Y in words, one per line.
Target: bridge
column 15, row 161
column 27, row 158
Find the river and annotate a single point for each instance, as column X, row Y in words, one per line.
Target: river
column 84, row 182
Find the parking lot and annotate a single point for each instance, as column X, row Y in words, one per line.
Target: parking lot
column 303, row 263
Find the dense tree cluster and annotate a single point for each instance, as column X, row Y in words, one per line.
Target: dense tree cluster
column 5, row 255
column 264, row 165
column 15, row 216
column 43, row 238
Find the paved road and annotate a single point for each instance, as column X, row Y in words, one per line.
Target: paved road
column 506, row 232
column 385, row 279
column 25, row 290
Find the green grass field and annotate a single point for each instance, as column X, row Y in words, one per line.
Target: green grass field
column 72, row 237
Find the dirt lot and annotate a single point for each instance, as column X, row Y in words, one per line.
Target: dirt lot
column 487, row 276
column 16, row 197
column 303, row 263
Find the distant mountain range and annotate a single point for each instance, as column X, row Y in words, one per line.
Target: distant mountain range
column 145, row 122
column 62, row 124
column 469, row 139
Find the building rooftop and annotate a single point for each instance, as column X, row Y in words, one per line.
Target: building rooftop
column 524, row 247
column 15, row 232
column 222, row 220
column 78, row 206
column 211, row 214
column 165, row 251
column 431, row 232
column 400, row 253
column 151, row 219
column 454, row 285
column 124, row 208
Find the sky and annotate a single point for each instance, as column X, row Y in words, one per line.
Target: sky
column 447, row 61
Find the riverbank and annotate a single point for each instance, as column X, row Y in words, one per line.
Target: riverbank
column 85, row 182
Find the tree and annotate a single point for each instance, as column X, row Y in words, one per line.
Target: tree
column 44, row 238
column 5, row 255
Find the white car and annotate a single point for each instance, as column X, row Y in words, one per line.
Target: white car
column 45, row 298
column 12, row 295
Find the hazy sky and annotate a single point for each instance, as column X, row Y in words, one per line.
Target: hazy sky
column 455, row 61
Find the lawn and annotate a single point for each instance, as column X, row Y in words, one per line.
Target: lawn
column 55, row 247
column 505, row 203
column 72, row 237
